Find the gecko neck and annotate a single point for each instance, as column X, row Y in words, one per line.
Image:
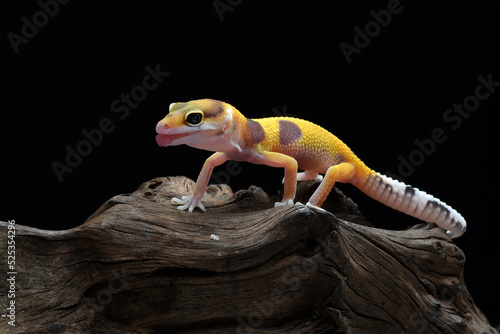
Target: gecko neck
column 226, row 136
column 241, row 132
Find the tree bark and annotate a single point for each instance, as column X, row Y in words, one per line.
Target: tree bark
column 139, row 265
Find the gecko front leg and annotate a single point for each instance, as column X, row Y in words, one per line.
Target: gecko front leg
column 193, row 201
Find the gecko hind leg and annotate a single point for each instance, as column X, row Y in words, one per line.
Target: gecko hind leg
column 342, row 172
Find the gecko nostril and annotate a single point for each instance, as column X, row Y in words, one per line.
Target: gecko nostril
column 161, row 126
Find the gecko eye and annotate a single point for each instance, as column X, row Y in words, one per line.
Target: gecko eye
column 194, row 118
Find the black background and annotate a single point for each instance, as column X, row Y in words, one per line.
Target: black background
column 266, row 58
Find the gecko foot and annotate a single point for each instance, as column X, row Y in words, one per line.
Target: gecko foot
column 308, row 204
column 284, row 202
column 188, row 202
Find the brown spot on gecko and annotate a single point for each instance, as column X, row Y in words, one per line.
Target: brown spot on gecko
column 255, row 132
column 215, row 110
column 289, row 132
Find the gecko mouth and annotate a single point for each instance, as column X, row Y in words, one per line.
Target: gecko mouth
column 164, row 140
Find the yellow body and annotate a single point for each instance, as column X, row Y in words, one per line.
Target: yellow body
column 292, row 144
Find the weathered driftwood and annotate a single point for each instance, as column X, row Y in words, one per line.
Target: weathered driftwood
column 138, row 265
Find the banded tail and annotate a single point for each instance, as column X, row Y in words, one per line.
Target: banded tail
column 413, row 202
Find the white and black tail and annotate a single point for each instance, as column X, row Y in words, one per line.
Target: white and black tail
column 413, row 202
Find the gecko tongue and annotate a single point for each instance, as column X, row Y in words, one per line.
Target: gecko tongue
column 165, row 140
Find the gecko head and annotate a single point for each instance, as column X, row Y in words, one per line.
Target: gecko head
column 194, row 123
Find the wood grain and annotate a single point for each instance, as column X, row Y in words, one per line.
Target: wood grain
column 138, row 265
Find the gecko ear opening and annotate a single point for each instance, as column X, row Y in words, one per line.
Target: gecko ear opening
column 194, row 118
